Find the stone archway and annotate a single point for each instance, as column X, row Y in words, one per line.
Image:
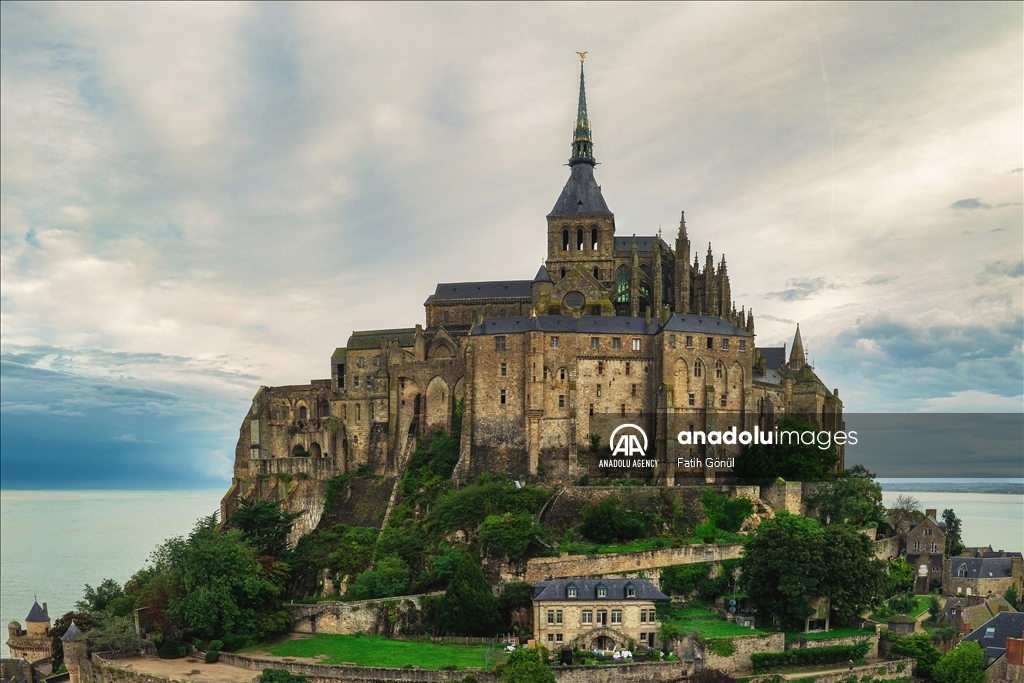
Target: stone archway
column 438, row 406
column 603, row 639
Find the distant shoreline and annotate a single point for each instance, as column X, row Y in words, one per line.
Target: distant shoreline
column 1010, row 487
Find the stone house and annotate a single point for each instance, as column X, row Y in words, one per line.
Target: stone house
column 925, row 546
column 611, row 327
column 1000, row 636
column 596, row 614
column 983, row 576
column 33, row 642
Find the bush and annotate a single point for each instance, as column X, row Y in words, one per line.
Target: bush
column 919, row 646
column 606, row 522
column 171, row 649
column 217, row 645
column 766, row 662
column 723, row 647
column 212, row 656
column 964, row 664
column 281, row 676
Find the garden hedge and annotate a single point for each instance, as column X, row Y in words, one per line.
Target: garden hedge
column 766, row 662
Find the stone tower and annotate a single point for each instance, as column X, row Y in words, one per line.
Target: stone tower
column 33, row 643
column 76, row 655
column 796, row 356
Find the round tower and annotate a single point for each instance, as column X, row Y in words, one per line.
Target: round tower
column 76, row 655
column 13, row 630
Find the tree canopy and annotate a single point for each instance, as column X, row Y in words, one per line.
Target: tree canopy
column 852, row 497
column 265, row 525
column 468, row 607
column 963, row 664
column 954, row 544
column 793, row 461
column 790, row 559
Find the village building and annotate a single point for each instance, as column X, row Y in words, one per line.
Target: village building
column 596, row 614
column 983, row 576
column 925, row 547
column 1002, row 638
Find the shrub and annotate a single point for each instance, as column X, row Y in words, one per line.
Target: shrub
column 171, row 649
column 281, row 676
column 723, row 647
column 217, row 645
column 964, row 664
column 919, row 646
column 765, row 662
column 212, row 656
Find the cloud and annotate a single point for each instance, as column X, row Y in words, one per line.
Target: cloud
column 803, row 288
column 970, row 203
column 128, row 438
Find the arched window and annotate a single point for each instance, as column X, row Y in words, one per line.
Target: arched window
column 565, row 240
column 561, row 273
column 719, row 370
column 597, row 274
column 579, row 240
column 474, row 315
column 622, row 286
column 503, row 313
column 698, row 368
column 325, row 409
column 447, row 318
column 593, row 239
column 302, row 412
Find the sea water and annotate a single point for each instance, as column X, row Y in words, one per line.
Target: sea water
column 52, row 543
column 995, row 519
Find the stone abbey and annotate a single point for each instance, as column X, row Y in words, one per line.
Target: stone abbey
column 612, row 328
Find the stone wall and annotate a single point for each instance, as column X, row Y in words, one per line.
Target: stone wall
column 898, row 669
column 887, row 547
column 745, row 646
column 632, row 564
column 383, row 617
column 784, row 495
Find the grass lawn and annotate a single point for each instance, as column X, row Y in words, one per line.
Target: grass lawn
column 379, row 651
column 834, row 633
column 697, row 617
column 920, row 607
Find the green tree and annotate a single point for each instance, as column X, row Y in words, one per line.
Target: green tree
column 963, row 664
column 934, row 607
column 265, row 525
column 792, row 461
column 790, row 559
column 526, row 666
column 954, row 544
column 900, row 576
column 606, row 522
column 722, row 512
column 919, row 646
column 218, row 587
column 113, row 633
column 98, row 599
column 509, row 534
column 516, row 599
column 1012, row 596
column 468, row 607
column 853, row 497
column 389, row 577
column 83, row 620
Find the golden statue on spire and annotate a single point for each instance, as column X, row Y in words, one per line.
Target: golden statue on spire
column 583, row 55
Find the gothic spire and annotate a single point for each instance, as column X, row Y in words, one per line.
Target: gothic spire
column 582, row 143
column 796, row 357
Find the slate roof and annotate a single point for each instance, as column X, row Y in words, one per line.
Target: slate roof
column 371, row 339
column 542, row 275
column 586, row 589
column 581, row 195
column 683, row 322
column 597, row 324
column 774, row 356
column 72, row 634
column 642, row 243
column 37, row 614
column 498, row 289
column 1003, row 625
column 981, row 567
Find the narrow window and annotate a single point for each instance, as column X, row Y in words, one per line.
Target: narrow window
column 499, row 342
column 561, row 374
column 628, row 368
column 643, row 620
column 633, row 390
column 562, row 273
column 591, row 409
column 743, row 345
column 579, row 240
column 693, row 400
column 595, row 343
column 561, row 400
column 502, row 313
column 689, row 342
column 551, row 616
column 616, row 616
column 355, row 381
column 616, row 343
column 565, row 244
column 369, row 381
column 725, row 344
column 672, row 341
column 600, row 367
column 593, row 240
column 362, row 361
column 504, row 369
column 302, row 413
column 652, row 617
column 376, row 361
column 503, row 397
column 344, row 412
column 722, row 401
column 554, row 342
column 359, row 412
column 474, row 318
column 711, row 343
column 545, row 373
column 697, row 368
column 447, row 318
column 341, row 375
column 636, row 344
column 622, row 410
column 558, row 616
column 599, row 391
column 597, row 274
column 719, row 370
column 371, row 412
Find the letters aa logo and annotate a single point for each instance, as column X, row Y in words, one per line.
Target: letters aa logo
column 628, row 442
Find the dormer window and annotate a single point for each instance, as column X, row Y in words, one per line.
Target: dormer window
column 602, row 591
column 962, row 571
column 630, row 590
column 570, row 592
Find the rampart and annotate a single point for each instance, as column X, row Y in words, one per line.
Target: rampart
column 744, row 647
column 898, row 669
column 633, row 564
column 802, row 643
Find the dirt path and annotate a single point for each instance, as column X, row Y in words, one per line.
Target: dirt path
column 188, row 669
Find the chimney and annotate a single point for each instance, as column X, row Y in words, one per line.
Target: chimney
column 1015, row 651
column 930, row 513
column 46, row 610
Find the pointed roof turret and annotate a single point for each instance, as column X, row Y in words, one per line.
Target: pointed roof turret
column 796, row 357
column 682, row 227
column 542, row 274
column 37, row 614
column 73, row 634
column 582, row 142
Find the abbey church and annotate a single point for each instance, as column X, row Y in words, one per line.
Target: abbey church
column 614, row 327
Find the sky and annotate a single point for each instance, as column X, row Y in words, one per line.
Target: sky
column 199, row 199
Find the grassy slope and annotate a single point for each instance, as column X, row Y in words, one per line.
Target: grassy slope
column 379, row 651
column 834, row 633
column 707, row 624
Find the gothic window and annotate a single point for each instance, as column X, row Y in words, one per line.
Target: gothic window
column 593, row 240
column 597, row 275
column 447, row 318
column 719, row 370
column 698, row 368
column 565, row 240
column 302, row 412
column 502, row 313
column 622, row 286
column 579, row 240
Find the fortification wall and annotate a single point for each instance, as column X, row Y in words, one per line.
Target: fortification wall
column 887, row 547
column 567, row 566
column 898, row 669
column 801, row 643
column 745, row 646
